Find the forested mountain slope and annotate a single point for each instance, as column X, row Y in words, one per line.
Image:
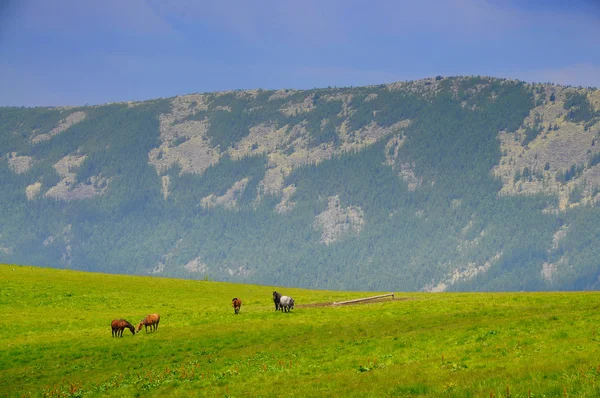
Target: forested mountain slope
column 464, row 183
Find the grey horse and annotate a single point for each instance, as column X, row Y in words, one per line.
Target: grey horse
column 286, row 303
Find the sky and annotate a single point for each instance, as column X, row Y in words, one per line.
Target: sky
column 76, row 52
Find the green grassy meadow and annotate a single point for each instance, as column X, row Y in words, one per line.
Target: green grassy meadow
column 55, row 340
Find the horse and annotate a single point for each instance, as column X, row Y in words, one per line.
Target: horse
column 276, row 298
column 117, row 326
column 286, row 303
column 151, row 320
column 236, row 303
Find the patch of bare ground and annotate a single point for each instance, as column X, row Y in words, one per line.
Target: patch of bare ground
column 289, row 147
column 594, row 98
column 370, row 97
column 248, row 94
column 66, row 189
column 196, row 265
column 63, row 239
column 236, row 270
column 295, row 108
column 194, row 155
column 166, row 258
column 337, row 221
column 229, row 199
column 463, row 272
column 184, row 142
column 281, row 94
column 5, row 249
column 549, row 270
column 19, row 164
column 33, row 190
column 165, row 182
column 286, row 204
column 404, row 169
column 332, row 304
column 560, row 144
column 426, row 88
column 64, row 124
column 185, row 105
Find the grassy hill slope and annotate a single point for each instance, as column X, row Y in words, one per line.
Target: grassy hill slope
column 56, row 340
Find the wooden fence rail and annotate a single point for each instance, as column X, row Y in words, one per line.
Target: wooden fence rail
column 363, row 299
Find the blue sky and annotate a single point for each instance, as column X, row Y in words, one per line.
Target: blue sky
column 75, row 52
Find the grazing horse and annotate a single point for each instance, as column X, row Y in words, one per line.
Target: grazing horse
column 276, row 298
column 236, row 303
column 286, row 303
column 151, row 320
column 117, row 326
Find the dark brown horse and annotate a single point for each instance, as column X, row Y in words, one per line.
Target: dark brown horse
column 151, row 320
column 236, row 303
column 276, row 298
column 117, row 326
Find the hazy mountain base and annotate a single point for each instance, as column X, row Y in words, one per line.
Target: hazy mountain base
column 440, row 184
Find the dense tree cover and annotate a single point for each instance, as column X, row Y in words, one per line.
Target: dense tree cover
column 410, row 239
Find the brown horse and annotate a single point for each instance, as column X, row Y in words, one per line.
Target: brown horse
column 236, row 303
column 151, row 320
column 117, row 326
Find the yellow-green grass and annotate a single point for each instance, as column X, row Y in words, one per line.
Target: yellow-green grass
column 55, row 339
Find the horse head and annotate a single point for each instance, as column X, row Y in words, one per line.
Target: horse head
column 139, row 326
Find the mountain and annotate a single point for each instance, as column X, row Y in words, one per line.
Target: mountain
column 462, row 183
